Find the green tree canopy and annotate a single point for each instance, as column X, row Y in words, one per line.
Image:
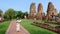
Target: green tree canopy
column 1, row 12
column 10, row 13
column 59, row 14
column 21, row 14
column 26, row 14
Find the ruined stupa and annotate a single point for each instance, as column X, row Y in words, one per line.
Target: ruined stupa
column 40, row 13
column 51, row 11
column 32, row 14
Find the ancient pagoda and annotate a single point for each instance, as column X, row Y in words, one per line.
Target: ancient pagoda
column 32, row 14
column 51, row 11
column 40, row 13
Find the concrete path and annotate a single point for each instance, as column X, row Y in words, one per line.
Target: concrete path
column 12, row 29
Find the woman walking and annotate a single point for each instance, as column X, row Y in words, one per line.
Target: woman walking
column 18, row 25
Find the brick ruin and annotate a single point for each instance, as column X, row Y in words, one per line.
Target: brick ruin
column 51, row 11
column 47, row 26
column 32, row 14
column 40, row 13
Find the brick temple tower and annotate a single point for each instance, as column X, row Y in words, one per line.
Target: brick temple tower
column 40, row 13
column 32, row 14
column 51, row 11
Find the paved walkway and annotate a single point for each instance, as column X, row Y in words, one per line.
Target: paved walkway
column 12, row 29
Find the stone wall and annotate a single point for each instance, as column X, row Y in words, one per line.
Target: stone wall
column 46, row 26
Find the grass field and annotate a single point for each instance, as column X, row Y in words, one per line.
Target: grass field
column 27, row 24
column 54, row 25
column 3, row 26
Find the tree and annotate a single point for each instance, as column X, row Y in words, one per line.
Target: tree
column 1, row 12
column 59, row 14
column 20, row 14
column 10, row 14
column 25, row 14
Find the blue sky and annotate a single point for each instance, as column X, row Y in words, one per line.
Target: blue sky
column 24, row 5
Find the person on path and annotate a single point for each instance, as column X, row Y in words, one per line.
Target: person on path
column 18, row 25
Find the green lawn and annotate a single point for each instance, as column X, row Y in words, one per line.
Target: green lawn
column 54, row 25
column 27, row 24
column 3, row 26
column 41, row 21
